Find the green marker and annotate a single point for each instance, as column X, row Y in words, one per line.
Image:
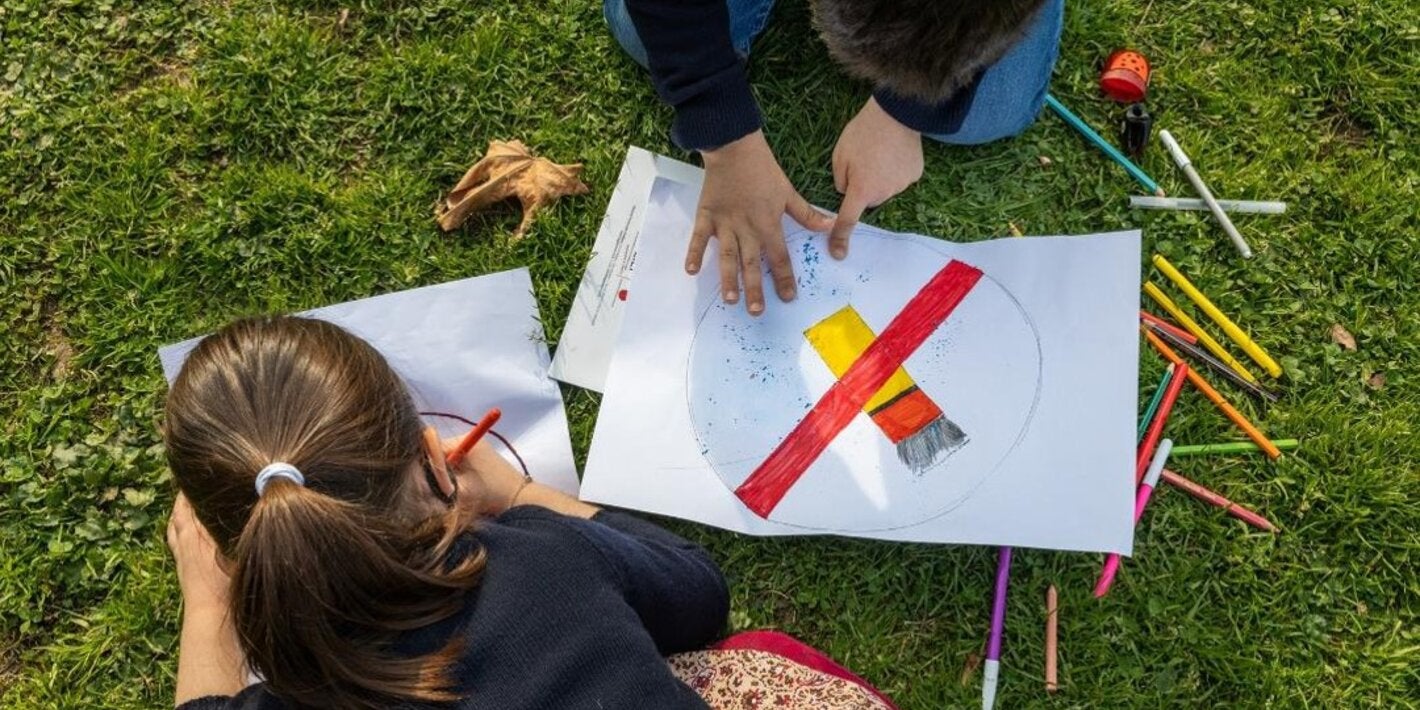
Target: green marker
column 1234, row 447
column 1154, row 403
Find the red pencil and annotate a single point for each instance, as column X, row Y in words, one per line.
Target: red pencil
column 466, row 445
column 1148, row 317
column 1217, row 499
column 1156, row 428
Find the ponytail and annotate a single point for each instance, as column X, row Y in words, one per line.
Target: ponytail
column 322, row 590
column 334, row 560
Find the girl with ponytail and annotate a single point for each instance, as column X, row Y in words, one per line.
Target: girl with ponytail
column 323, row 546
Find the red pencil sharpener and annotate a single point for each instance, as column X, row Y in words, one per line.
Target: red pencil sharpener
column 1126, row 76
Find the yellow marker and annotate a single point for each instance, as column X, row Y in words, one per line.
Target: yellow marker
column 1237, row 335
column 1192, row 326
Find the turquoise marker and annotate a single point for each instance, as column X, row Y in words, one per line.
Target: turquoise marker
column 1154, row 402
column 1104, row 145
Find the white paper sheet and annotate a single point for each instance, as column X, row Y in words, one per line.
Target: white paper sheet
column 584, row 350
column 463, row 347
column 1037, row 365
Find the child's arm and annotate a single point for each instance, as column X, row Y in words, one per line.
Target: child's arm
column 696, row 70
column 673, row 584
column 209, row 658
column 497, row 486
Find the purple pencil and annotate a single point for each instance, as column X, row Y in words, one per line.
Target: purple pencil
column 998, row 624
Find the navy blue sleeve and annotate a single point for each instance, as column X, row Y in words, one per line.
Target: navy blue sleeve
column 253, row 697
column 931, row 119
column 672, row 584
column 207, row 702
column 696, row 70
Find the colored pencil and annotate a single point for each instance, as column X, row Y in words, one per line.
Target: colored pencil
column 1231, row 329
column 1149, row 202
column 1141, row 501
column 1109, row 150
column 1228, row 410
column 998, row 624
column 1216, row 499
column 1231, row 447
column 1192, row 326
column 1154, row 320
column 1215, row 365
column 1156, row 428
column 1052, row 612
column 1154, row 402
column 466, row 444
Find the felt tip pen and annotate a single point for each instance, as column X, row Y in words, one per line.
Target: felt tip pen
column 1151, row 202
column 1141, row 501
column 991, row 670
column 470, row 439
column 1201, row 188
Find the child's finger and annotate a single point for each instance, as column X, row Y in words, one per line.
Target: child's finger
column 781, row 269
column 729, row 267
column 752, row 273
column 699, row 239
column 848, row 214
column 804, row 213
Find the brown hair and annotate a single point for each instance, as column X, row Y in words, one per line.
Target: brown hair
column 921, row 49
column 327, row 574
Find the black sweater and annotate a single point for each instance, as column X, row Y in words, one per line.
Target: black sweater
column 697, row 71
column 571, row 613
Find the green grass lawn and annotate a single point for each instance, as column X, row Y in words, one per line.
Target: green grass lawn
column 166, row 166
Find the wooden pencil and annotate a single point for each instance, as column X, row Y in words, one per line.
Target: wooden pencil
column 1217, row 499
column 1052, row 611
column 1214, row 364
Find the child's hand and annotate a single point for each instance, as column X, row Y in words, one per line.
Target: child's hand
column 486, row 477
column 744, row 197
column 204, row 584
column 876, row 158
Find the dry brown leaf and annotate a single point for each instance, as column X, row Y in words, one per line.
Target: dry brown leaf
column 1376, row 381
column 509, row 170
column 1343, row 337
column 973, row 663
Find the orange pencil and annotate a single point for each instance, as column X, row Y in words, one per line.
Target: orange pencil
column 1228, row 410
column 1052, row 611
column 466, row 445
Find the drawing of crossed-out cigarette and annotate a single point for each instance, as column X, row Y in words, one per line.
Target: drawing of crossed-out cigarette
column 900, row 409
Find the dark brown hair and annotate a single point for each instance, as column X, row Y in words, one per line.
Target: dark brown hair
column 327, row 574
column 921, row 49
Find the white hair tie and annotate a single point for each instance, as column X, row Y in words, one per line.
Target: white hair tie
column 278, row 469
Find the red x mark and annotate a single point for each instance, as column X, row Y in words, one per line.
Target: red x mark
column 922, row 315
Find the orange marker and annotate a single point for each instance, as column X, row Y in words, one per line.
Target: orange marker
column 466, row 445
column 1228, row 410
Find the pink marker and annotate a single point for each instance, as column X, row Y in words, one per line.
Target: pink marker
column 1141, row 499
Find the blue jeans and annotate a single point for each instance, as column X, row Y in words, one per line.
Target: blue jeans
column 1007, row 100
